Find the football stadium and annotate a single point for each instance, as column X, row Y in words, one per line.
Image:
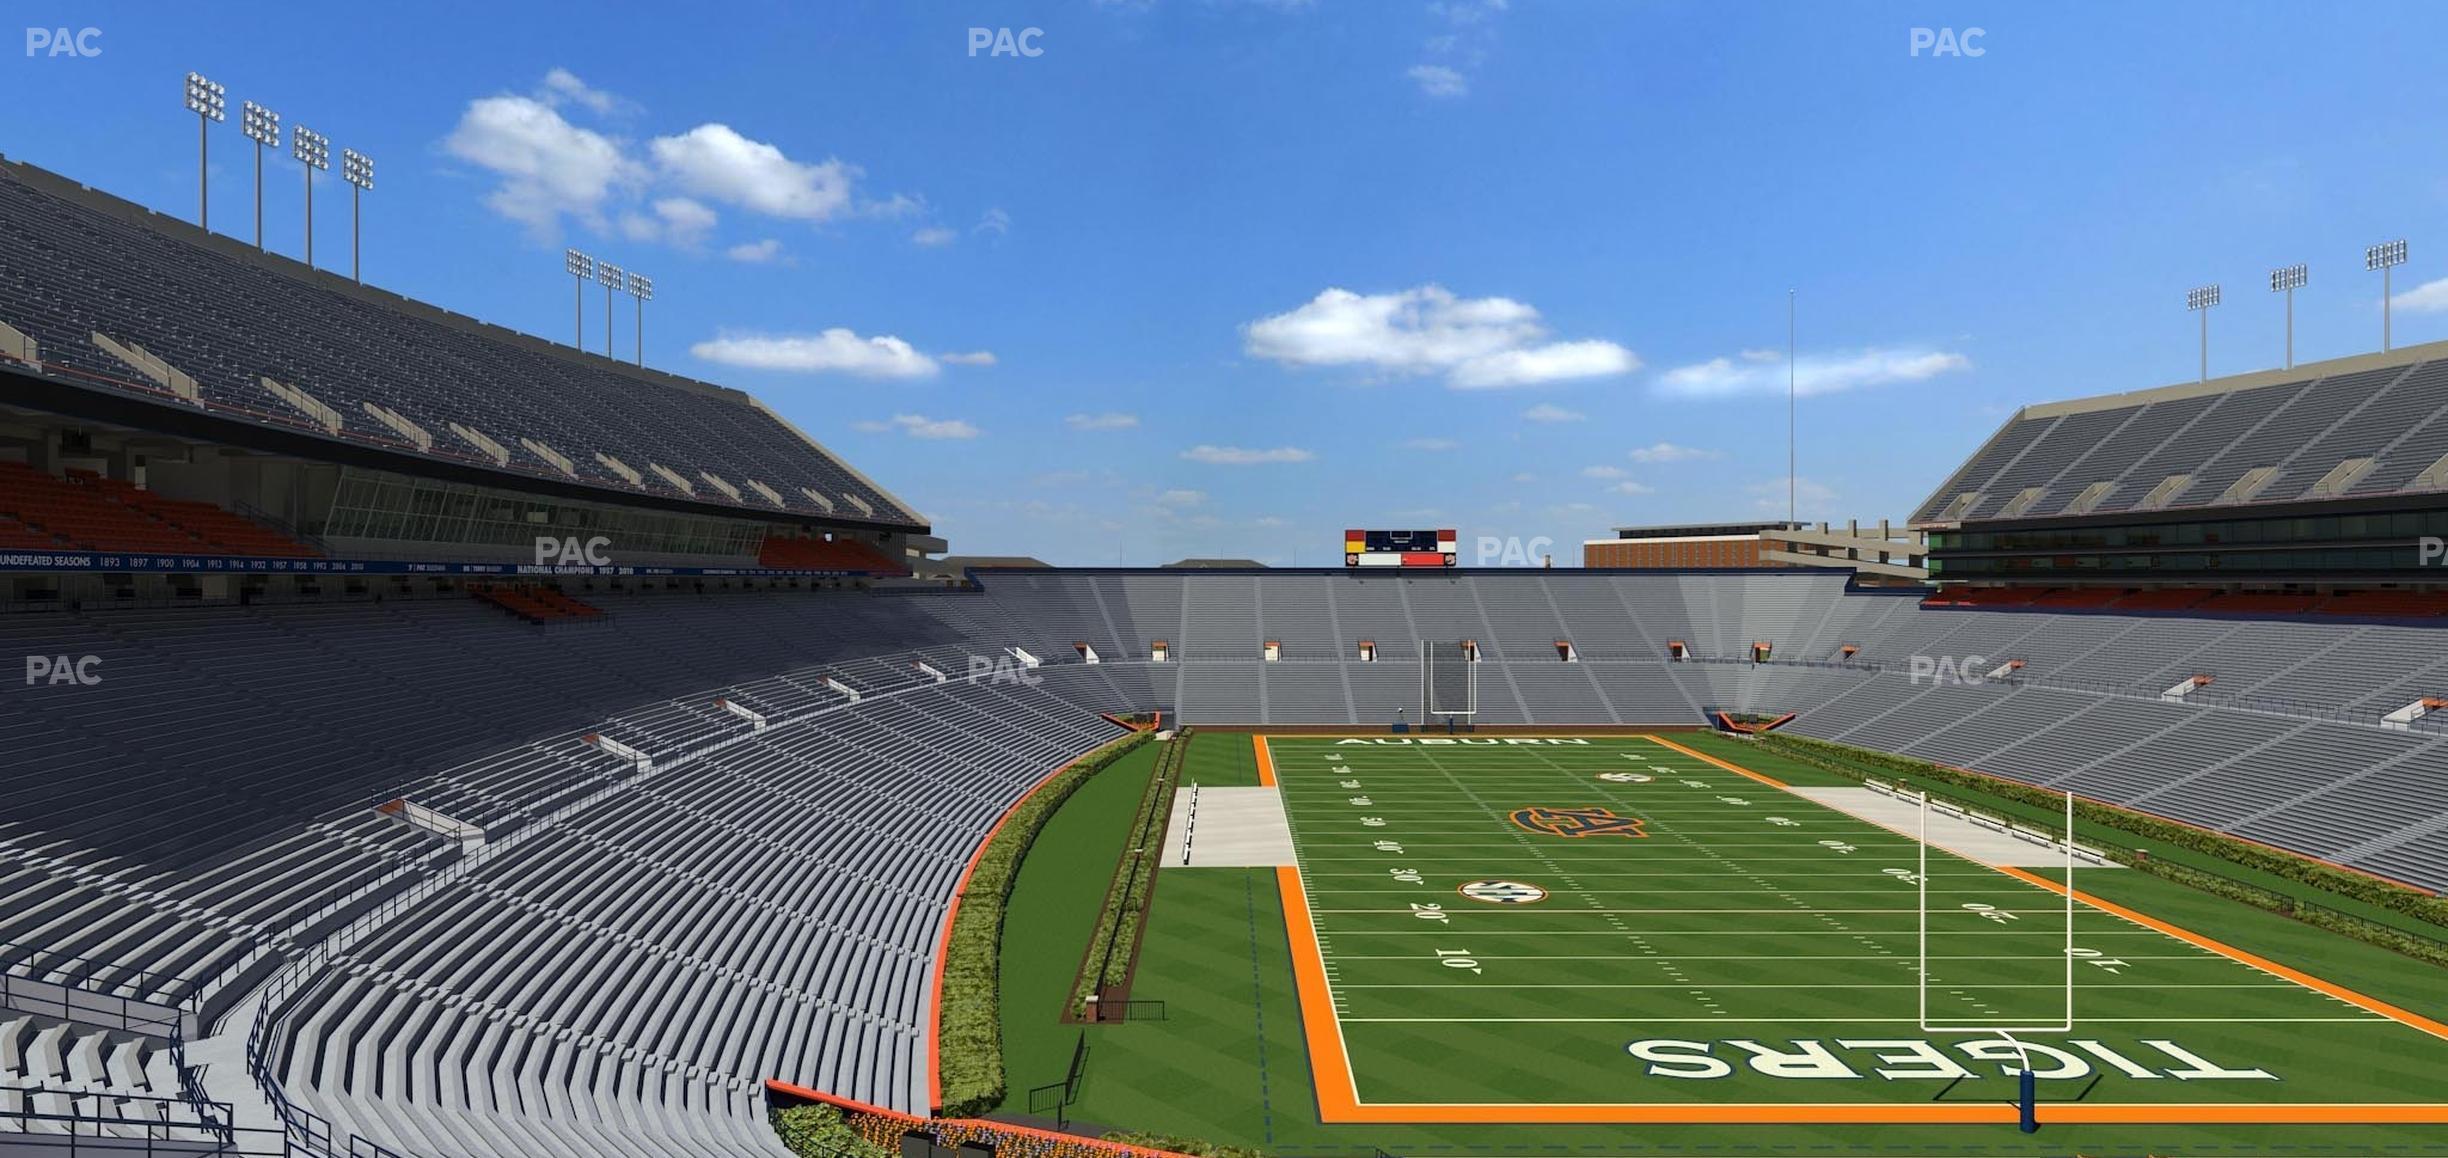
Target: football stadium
column 437, row 738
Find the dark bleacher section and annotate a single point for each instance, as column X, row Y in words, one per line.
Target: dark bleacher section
column 2303, row 428
column 82, row 263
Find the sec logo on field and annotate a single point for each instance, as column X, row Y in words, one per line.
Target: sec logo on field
column 1503, row 892
column 1626, row 777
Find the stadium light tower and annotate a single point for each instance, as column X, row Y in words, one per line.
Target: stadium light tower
column 208, row 102
column 582, row 267
column 2384, row 257
column 358, row 170
column 2286, row 280
column 612, row 279
column 262, row 126
column 641, row 287
column 313, row 151
column 2199, row 300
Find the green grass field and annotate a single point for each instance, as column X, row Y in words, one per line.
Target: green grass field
column 1738, row 953
column 1700, row 937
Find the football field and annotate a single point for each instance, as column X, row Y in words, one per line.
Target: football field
column 1626, row 929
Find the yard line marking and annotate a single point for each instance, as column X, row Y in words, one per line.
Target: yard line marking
column 1337, row 1089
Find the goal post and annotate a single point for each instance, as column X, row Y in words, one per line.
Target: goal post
column 2027, row 1084
column 1449, row 679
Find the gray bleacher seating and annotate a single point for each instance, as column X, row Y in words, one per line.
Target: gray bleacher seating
column 229, row 316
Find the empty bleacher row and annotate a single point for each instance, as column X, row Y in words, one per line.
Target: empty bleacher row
column 2182, row 449
column 228, row 317
column 115, row 1089
column 767, row 910
column 217, row 771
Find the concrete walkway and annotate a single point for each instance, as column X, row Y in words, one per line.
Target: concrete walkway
column 1958, row 836
column 1237, row 828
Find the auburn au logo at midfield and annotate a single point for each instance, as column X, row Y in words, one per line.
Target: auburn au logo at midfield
column 1577, row 822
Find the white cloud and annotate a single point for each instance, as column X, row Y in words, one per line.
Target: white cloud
column 993, row 221
column 1555, row 362
column 715, row 161
column 1431, row 444
column 1549, row 412
column 1181, row 498
column 971, row 358
column 1763, row 372
column 561, row 85
column 755, row 252
column 1110, row 420
column 676, row 220
column 1669, row 452
column 835, row 351
column 1244, row 456
column 548, row 167
column 1437, row 80
column 1628, row 487
column 2430, row 297
column 1525, row 477
column 1477, row 343
column 921, row 426
column 935, row 235
column 1603, row 472
column 1267, row 521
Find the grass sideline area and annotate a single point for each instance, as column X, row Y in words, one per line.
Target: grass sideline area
column 969, row 1049
column 1122, row 917
column 2360, row 906
column 1232, row 1063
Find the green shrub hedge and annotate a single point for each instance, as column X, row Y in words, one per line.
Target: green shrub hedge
column 817, row 1130
column 970, row 1047
column 1125, row 907
column 1850, row 761
column 1191, row 1146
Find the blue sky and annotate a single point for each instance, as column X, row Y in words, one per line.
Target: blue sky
column 1224, row 277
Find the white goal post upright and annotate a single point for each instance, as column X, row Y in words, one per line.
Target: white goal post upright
column 1440, row 694
column 2066, row 1025
column 2026, row 1083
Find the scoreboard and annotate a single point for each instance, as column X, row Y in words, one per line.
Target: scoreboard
column 1398, row 548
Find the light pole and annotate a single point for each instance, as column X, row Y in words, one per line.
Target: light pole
column 612, row 279
column 641, row 287
column 2286, row 280
column 582, row 267
column 358, row 170
column 2199, row 300
column 1792, row 426
column 2383, row 257
column 262, row 126
column 312, row 152
column 208, row 102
